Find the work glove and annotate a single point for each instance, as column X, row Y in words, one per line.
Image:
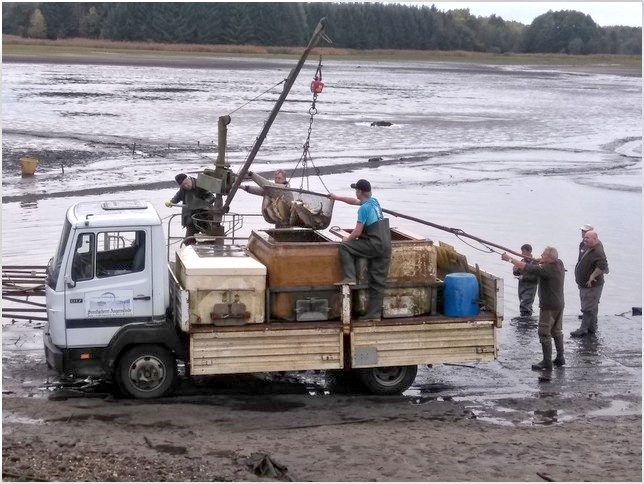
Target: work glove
column 168, row 203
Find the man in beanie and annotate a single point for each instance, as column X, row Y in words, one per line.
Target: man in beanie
column 370, row 239
column 195, row 201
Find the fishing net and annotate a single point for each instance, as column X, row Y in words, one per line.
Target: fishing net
column 290, row 207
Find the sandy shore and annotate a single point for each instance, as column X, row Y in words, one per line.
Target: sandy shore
column 319, row 427
column 184, row 61
column 333, row 438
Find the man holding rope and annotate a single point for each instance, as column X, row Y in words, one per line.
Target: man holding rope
column 551, row 273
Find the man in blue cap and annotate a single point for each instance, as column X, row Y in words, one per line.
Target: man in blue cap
column 370, row 239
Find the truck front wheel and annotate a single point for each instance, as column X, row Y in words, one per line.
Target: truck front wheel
column 391, row 380
column 146, row 371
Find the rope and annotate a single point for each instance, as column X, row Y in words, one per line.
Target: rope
column 256, row 97
column 455, row 231
column 488, row 251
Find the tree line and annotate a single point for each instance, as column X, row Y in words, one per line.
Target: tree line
column 351, row 25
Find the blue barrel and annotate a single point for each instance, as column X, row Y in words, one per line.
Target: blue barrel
column 461, row 294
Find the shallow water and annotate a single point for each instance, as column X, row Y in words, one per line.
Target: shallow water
column 510, row 154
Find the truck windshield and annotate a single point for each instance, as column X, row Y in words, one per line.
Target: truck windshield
column 53, row 268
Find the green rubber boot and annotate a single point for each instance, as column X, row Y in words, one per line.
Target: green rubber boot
column 546, row 363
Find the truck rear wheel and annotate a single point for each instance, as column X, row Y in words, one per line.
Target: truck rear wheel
column 146, row 371
column 390, row 380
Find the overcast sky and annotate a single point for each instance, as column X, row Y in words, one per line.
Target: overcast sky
column 603, row 13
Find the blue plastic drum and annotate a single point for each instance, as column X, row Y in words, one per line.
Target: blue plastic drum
column 461, row 294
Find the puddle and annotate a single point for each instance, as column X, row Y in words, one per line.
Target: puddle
column 269, row 405
column 425, row 400
column 545, row 417
column 14, row 419
column 482, row 417
column 318, row 391
column 617, row 408
column 76, row 388
column 82, row 418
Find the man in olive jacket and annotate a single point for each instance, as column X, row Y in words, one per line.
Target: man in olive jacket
column 589, row 275
column 551, row 275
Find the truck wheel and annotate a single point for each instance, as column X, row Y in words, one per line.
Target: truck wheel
column 146, row 371
column 391, row 380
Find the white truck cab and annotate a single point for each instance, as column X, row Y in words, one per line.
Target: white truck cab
column 107, row 289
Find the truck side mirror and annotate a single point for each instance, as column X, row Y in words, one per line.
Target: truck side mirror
column 69, row 281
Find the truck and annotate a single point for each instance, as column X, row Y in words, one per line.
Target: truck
column 121, row 307
column 118, row 309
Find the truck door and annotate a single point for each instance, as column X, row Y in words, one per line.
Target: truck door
column 108, row 284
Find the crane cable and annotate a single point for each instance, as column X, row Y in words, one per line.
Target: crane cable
column 306, row 152
column 256, row 97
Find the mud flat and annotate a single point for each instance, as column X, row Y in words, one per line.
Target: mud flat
column 253, row 58
column 494, row 421
column 324, row 438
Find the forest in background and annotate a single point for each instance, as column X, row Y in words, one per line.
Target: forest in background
column 351, row 25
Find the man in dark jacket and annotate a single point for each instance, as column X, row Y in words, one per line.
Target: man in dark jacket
column 551, row 275
column 589, row 275
column 195, row 201
column 527, row 282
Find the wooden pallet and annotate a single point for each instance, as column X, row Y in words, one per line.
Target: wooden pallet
column 24, row 288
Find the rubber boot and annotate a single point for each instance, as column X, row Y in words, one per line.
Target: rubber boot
column 559, row 344
column 374, row 308
column 585, row 324
column 348, row 268
column 546, row 363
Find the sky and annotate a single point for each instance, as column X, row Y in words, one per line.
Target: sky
column 603, row 13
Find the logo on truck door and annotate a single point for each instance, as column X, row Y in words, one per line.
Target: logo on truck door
column 108, row 304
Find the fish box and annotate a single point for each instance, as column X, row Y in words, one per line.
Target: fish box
column 227, row 286
column 304, row 265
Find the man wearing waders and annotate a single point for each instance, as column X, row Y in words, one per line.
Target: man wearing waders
column 371, row 240
column 551, row 273
column 527, row 283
